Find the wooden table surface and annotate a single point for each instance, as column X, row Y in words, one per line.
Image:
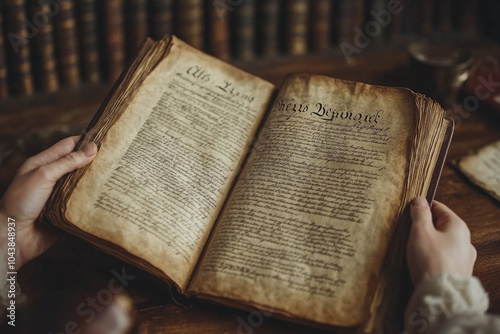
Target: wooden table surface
column 73, row 266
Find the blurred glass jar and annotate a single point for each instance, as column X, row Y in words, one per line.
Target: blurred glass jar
column 439, row 69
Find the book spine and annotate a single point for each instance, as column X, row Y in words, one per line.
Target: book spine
column 115, row 38
column 162, row 18
column 67, row 43
column 379, row 20
column 45, row 64
column 4, row 85
column 467, row 17
column 219, row 38
column 297, row 26
column 443, row 16
column 18, row 30
column 425, row 17
column 137, row 24
column 358, row 20
column 190, row 22
column 321, row 19
column 350, row 19
column 410, row 17
column 88, row 36
column 395, row 30
column 244, row 30
column 268, row 27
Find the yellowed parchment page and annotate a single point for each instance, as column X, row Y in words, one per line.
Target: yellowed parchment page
column 165, row 167
column 306, row 228
column 483, row 168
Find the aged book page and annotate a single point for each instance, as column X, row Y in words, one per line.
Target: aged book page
column 165, row 167
column 483, row 168
column 306, row 228
column 426, row 148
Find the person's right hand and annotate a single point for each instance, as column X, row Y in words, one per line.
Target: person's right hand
column 440, row 247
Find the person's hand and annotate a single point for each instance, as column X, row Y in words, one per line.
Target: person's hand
column 27, row 194
column 439, row 242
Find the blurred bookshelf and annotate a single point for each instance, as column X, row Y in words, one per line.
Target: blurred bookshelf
column 46, row 46
column 59, row 58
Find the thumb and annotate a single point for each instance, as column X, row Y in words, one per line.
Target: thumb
column 68, row 163
column 421, row 216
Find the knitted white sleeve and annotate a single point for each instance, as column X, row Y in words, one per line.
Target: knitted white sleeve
column 450, row 303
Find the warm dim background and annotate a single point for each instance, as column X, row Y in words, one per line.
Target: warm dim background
column 59, row 59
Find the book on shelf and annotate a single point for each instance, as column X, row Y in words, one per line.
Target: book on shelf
column 297, row 26
column 218, row 31
column 466, row 17
column 378, row 10
column 321, row 24
column 4, row 84
column 161, row 13
column 303, row 225
column 443, row 15
column 136, row 13
column 190, row 22
column 395, row 28
column 410, row 18
column 67, row 43
column 244, row 30
column 86, row 11
column 350, row 18
column 425, row 17
column 114, row 25
column 268, row 27
column 45, row 64
column 18, row 47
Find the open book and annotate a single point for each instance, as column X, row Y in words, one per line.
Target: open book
column 301, row 226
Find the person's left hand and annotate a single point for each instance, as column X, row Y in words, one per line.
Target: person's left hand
column 27, row 194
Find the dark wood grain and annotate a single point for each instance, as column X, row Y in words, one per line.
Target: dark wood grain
column 21, row 120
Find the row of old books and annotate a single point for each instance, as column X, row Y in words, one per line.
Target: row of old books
column 46, row 44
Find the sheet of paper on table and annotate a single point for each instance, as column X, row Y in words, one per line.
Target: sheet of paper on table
column 483, row 168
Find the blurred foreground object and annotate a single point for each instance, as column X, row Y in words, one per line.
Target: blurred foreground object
column 484, row 84
column 95, row 311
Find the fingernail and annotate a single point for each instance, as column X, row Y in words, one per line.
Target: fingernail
column 90, row 149
column 420, row 201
